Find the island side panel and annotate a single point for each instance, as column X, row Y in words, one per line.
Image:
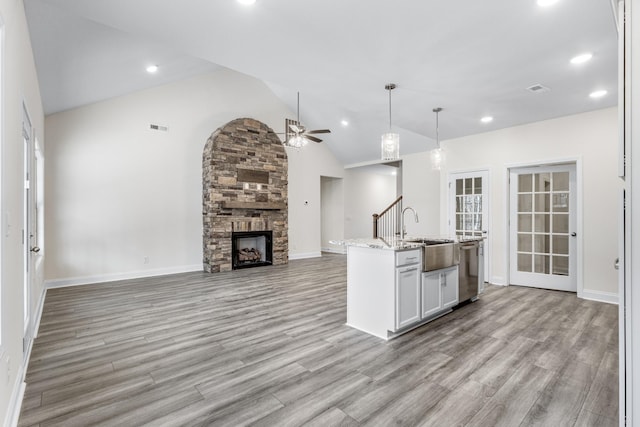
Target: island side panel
column 370, row 290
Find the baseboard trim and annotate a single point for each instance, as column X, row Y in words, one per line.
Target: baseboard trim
column 88, row 280
column 36, row 326
column 497, row 280
column 340, row 251
column 600, row 296
column 15, row 404
column 305, row 255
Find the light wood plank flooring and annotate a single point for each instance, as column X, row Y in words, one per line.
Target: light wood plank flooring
column 268, row 346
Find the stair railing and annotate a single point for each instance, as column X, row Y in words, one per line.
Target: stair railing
column 386, row 224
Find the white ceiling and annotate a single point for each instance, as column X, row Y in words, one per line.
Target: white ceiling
column 472, row 58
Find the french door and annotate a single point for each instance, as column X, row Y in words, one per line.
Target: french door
column 469, row 210
column 542, row 227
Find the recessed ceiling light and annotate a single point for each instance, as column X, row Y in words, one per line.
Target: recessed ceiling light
column 582, row 58
column 246, row 2
column 152, row 69
column 344, row 123
column 486, row 119
column 545, row 3
column 598, row 94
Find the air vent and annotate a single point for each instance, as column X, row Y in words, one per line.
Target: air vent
column 158, row 127
column 538, row 88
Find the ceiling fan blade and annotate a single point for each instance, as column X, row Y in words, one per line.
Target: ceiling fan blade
column 319, row 131
column 312, row 138
column 295, row 128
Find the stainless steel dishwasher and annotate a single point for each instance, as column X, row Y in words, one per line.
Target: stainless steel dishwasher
column 468, row 271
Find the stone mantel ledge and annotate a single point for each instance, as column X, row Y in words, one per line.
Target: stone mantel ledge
column 254, row 205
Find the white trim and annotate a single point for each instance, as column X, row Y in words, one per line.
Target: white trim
column 485, row 173
column 305, row 255
column 38, row 313
column 341, row 250
column 88, row 280
column 600, row 296
column 497, row 280
column 15, row 403
column 577, row 162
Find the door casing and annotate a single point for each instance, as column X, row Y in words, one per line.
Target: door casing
column 579, row 213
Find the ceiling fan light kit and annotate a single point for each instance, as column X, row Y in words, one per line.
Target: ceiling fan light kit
column 296, row 135
column 437, row 154
column 390, row 140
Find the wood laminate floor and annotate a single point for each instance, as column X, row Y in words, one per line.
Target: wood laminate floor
column 268, row 346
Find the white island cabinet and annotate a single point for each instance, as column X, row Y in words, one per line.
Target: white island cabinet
column 387, row 294
column 439, row 291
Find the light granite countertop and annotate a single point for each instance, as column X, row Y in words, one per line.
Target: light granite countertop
column 394, row 244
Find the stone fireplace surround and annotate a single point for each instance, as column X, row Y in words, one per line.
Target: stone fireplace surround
column 244, row 188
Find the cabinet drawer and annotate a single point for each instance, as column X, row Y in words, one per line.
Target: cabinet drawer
column 408, row 257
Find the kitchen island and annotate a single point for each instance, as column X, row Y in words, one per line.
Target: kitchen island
column 388, row 293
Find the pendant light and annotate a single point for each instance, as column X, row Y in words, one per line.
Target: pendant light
column 437, row 155
column 390, row 141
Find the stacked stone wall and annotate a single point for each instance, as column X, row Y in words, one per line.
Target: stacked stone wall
column 244, row 188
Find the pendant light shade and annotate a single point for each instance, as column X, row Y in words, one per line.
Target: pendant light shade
column 390, row 141
column 437, row 154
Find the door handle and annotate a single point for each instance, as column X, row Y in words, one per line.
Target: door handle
column 35, row 249
column 573, row 234
column 616, row 264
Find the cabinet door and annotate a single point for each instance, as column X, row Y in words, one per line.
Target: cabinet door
column 450, row 287
column 407, row 296
column 431, row 294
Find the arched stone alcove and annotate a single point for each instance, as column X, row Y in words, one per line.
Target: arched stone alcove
column 244, row 188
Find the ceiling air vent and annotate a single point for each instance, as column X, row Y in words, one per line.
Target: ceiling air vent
column 158, row 127
column 538, row 88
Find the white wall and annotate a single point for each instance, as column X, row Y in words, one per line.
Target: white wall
column 365, row 193
column 590, row 137
column 20, row 85
column 421, row 191
column 119, row 194
column 332, row 212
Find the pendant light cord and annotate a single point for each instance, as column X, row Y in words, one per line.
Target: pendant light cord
column 390, row 108
column 437, row 111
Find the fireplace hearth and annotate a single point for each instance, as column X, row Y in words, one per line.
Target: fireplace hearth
column 251, row 249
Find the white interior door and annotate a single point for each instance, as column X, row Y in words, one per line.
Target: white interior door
column 543, row 227
column 469, row 208
column 27, row 228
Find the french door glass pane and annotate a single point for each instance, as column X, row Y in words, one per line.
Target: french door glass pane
column 524, row 242
column 541, row 264
column 468, row 200
column 524, row 183
column 561, row 181
column 542, row 181
column 541, row 243
column 561, row 245
column 525, row 203
column 561, row 265
column 525, row 222
column 543, row 223
column 524, row 263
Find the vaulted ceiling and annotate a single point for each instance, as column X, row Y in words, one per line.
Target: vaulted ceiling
column 472, row 58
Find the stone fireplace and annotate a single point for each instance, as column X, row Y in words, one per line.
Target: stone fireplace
column 244, row 194
column 251, row 249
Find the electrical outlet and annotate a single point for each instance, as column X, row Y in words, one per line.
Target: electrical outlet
column 145, row 260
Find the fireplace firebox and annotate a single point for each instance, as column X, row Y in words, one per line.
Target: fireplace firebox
column 251, row 248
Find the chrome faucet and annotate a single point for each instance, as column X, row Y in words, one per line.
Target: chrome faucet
column 403, row 232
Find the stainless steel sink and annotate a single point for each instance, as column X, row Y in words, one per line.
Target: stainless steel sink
column 430, row 242
column 437, row 254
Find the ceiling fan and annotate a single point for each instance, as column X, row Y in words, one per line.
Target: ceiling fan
column 296, row 135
